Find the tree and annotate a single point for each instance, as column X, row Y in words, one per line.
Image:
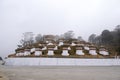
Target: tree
column 57, row 37
column 1, row 58
column 106, row 37
column 27, row 40
column 98, row 40
column 39, row 38
column 92, row 38
column 117, row 38
column 110, row 39
column 80, row 38
column 117, row 29
column 68, row 35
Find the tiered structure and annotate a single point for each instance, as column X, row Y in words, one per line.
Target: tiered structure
column 63, row 48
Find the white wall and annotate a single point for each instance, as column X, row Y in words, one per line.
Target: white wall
column 61, row 62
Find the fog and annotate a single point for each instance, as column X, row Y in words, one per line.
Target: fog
column 84, row 17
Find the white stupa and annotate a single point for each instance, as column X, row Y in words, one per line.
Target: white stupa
column 103, row 51
column 44, row 48
column 32, row 50
column 50, row 47
column 79, row 51
column 69, row 48
column 86, row 48
column 27, row 52
column 73, row 44
column 50, row 52
column 20, row 52
column 60, row 43
column 92, row 50
column 56, row 48
column 65, row 50
column 50, row 43
column 38, row 51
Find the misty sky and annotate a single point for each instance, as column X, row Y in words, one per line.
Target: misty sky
column 84, row 17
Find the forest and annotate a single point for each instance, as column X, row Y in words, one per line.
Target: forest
column 110, row 39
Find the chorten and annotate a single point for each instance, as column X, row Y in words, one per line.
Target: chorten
column 92, row 50
column 65, row 49
column 103, row 51
column 50, row 47
column 79, row 50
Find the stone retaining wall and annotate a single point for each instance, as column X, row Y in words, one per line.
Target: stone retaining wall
column 61, row 62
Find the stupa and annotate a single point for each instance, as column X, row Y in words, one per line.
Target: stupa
column 65, row 49
column 92, row 50
column 79, row 50
column 27, row 52
column 50, row 47
column 103, row 51
column 38, row 50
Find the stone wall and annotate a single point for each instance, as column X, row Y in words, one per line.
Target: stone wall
column 61, row 62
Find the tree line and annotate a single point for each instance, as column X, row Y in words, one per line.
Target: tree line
column 108, row 38
column 30, row 39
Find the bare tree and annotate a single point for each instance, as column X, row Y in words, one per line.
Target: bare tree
column 27, row 39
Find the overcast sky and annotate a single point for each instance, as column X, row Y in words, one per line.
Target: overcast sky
column 84, row 17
